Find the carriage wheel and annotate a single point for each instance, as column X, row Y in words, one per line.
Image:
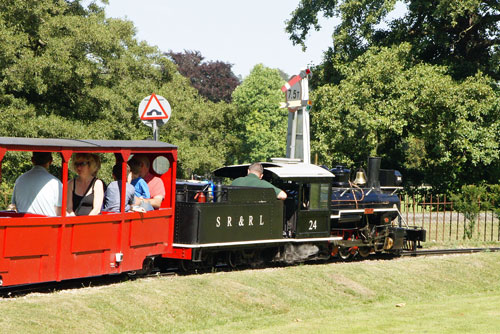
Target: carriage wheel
column 186, row 265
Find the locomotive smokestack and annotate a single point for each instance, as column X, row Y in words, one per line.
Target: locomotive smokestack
column 373, row 172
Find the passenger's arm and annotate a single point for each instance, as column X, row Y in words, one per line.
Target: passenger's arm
column 58, row 210
column 98, row 198
column 12, row 205
column 155, row 201
column 69, row 196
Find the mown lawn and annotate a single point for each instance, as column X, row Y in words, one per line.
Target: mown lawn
column 451, row 294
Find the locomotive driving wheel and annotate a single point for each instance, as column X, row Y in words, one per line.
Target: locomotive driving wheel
column 232, row 259
column 364, row 251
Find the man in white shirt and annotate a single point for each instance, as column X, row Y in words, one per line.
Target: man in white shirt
column 37, row 191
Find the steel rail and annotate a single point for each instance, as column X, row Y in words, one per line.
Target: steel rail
column 449, row 251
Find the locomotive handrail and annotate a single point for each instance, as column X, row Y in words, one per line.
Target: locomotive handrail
column 333, row 216
column 382, row 187
column 252, row 242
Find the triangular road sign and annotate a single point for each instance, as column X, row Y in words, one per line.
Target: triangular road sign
column 154, row 109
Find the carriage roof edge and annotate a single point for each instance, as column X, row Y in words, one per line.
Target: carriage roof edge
column 56, row 144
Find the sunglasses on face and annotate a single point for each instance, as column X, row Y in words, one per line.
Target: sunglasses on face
column 81, row 163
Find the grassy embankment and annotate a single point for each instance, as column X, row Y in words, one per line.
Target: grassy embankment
column 452, row 294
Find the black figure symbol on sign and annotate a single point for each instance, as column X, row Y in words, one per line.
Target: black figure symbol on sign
column 154, row 112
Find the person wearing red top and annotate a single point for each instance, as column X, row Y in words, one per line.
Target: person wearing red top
column 155, row 184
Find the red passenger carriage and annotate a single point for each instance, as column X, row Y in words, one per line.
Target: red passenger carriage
column 36, row 248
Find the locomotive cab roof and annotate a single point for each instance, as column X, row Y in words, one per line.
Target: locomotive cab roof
column 284, row 170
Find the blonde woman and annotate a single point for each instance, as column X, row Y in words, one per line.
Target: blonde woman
column 86, row 191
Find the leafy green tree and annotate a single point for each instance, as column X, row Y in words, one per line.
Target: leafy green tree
column 66, row 62
column 494, row 197
column 262, row 125
column 463, row 35
column 203, row 130
column 436, row 130
column 68, row 71
column 470, row 201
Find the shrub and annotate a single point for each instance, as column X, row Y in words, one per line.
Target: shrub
column 469, row 202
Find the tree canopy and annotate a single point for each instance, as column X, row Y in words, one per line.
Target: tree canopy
column 262, row 125
column 68, row 71
column 463, row 35
column 436, row 130
column 213, row 79
column 421, row 91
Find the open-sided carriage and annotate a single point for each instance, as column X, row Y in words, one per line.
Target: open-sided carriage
column 37, row 248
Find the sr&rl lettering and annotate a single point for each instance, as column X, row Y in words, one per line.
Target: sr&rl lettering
column 242, row 221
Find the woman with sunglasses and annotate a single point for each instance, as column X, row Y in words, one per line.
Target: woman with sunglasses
column 86, row 191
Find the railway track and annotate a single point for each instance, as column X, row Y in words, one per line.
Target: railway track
column 50, row 287
column 426, row 252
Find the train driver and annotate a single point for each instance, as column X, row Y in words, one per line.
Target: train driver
column 37, row 191
column 254, row 179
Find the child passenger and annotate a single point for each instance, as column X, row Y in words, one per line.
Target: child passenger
column 141, row 187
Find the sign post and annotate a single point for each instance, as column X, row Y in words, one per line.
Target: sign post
column 299, row 105
column 154, row 111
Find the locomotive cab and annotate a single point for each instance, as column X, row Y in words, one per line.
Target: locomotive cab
column 306, row 211
column 308, row 205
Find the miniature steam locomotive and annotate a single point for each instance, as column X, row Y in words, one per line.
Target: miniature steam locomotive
column 325, row 214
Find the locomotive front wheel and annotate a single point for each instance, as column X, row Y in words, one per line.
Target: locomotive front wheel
column 345, row 253
column 410, row 245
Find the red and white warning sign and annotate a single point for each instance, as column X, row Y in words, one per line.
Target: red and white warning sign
column 154, row 108
column 296, row 79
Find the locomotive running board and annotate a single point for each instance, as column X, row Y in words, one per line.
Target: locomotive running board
column 256, row 242
column 363, row 211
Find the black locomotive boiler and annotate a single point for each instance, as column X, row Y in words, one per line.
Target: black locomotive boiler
column 366, row 212
column 321, row 217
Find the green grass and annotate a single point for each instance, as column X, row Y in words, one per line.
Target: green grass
column 452, row 294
